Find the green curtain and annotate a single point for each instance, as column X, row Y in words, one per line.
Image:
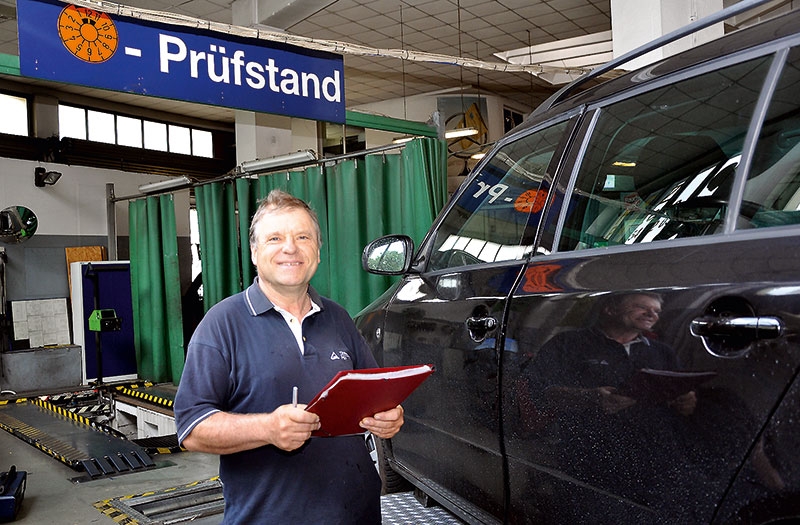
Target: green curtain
column 356, row 200
column 155, row 289
column 308, row 185
column 219, row 247
column 425, row 185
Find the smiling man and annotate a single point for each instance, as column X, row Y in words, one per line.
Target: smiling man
column 245, row 358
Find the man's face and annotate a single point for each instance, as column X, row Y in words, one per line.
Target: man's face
column 638, row 312
column 286, row 252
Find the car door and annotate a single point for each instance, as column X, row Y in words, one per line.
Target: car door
column 448, row 315
column 654, row 239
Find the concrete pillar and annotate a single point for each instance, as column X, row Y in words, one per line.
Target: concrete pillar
column 261, row 135
column 636, row 22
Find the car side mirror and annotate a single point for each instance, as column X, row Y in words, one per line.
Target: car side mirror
column 388, row 255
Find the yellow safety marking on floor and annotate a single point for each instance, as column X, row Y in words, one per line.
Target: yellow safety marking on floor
column 192, row 484
column 115, row 514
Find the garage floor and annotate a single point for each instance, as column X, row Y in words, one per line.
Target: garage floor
column 52, row 497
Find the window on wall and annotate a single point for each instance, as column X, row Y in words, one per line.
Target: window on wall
column 338, row 139
column 15, row 115
column 110, row 128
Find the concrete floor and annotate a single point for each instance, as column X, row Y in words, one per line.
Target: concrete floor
column 53, row 498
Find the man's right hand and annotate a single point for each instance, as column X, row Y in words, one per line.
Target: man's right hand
column 289, row 426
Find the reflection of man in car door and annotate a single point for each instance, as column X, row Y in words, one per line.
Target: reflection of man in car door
column 593, row 363
column 609, row 438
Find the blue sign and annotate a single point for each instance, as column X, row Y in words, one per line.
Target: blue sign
column 67, row 43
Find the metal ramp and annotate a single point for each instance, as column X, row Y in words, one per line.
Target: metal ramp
column 72, row 439
column 159, row 395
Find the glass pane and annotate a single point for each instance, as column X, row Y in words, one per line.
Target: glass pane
column 129, row 132
column 15, row 115
column 489, row 222
column 772, row 193
column 202, row 145
column 661, row 165
column 101, row 127
column 155, row 135
column 180, row 140
column 71, row 122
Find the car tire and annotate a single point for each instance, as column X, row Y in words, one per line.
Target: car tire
column 391, row 481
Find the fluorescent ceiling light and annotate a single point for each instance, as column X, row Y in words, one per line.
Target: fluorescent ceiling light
column 403, row 140
column 163, row 185
column 298, row 158
column 478, row 156
column 460, row 132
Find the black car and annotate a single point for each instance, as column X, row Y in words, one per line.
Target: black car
column 612, row 302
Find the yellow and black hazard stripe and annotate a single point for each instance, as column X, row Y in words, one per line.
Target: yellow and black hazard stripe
column 7, row 401
column 115, row 514
column 133, row 391
column 107, row 507
column 165, row 450
column 54, row 447
column 77, row 417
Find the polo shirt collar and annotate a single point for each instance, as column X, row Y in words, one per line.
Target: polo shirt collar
column 257, row 303
column 641, row 339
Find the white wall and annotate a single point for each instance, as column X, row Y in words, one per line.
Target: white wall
column 76, row 205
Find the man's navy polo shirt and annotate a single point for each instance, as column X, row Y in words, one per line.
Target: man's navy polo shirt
column 243, row 358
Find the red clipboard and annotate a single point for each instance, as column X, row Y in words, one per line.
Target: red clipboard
column 664, row 385
column 353, row 395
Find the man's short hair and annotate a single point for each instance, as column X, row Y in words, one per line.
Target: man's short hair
column 279, row 200
column 614, row 300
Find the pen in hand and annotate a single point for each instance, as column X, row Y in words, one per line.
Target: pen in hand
column 294, row 397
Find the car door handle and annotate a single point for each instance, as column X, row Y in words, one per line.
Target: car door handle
column 479, row 327
column 745, row 327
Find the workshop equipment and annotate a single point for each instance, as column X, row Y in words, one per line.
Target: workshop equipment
column 104, row 320
column 12, row 491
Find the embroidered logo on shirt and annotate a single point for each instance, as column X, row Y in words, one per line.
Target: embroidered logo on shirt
column 341, row 355
column 334, row 357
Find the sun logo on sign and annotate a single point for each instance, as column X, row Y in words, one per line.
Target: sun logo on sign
column 87, row 34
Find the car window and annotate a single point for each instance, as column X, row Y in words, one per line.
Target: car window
column 660, row 165
column 489, row 221
column 772, row 192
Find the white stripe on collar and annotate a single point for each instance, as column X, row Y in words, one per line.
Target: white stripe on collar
column 249, row 302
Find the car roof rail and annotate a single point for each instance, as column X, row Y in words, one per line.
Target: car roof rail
column 681, row 32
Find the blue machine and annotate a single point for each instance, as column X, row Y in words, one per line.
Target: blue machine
column 12, row 491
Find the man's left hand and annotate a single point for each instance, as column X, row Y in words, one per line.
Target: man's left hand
column 384, row 424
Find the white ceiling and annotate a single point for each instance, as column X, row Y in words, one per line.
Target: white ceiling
column 486, row 27
column 467, row 28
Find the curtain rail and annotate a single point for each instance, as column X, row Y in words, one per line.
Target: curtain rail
column 235, row 174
